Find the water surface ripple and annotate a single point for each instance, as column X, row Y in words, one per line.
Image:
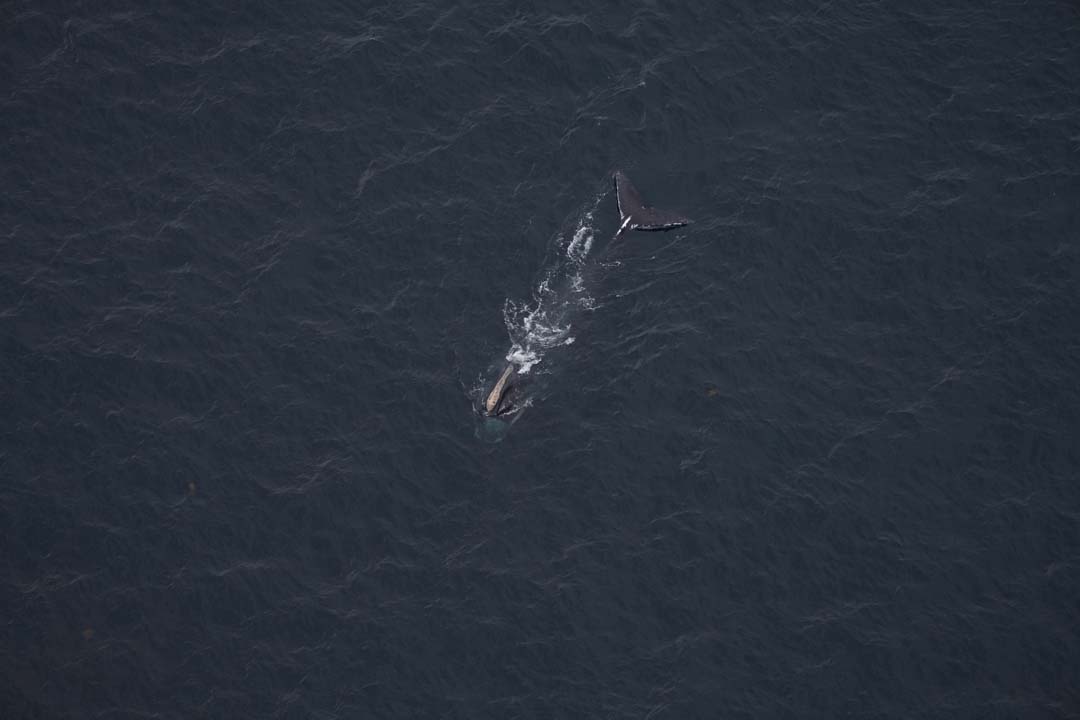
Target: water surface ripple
column 812, row 456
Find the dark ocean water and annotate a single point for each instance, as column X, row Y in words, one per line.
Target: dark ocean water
column 815, row 455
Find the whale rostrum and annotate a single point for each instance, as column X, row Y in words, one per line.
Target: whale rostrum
column 498, row 393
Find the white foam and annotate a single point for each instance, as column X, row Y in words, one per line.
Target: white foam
column 544, row 322
column 579, row 247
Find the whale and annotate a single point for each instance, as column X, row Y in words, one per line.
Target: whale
column 634, row 214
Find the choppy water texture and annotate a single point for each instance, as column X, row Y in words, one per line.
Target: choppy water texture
column 812, row 456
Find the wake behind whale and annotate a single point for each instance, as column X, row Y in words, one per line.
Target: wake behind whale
column 545, row 323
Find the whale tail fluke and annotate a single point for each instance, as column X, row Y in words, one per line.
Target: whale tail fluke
column 636, row 215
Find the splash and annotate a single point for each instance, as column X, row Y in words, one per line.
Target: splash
column 544, row 322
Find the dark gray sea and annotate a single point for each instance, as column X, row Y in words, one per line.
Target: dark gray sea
column 814, row 455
